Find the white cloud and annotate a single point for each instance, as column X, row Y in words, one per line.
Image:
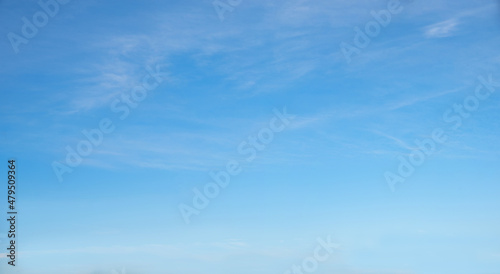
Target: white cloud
column 442, row 29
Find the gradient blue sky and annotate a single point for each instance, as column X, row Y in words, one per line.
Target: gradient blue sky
column 323, row 175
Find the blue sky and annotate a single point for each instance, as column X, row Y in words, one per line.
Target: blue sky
column 323, row 175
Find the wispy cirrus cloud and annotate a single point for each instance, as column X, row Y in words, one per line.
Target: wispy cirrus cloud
column 442, row 29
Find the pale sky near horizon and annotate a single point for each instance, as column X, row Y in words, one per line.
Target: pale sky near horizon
column 222, row 82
